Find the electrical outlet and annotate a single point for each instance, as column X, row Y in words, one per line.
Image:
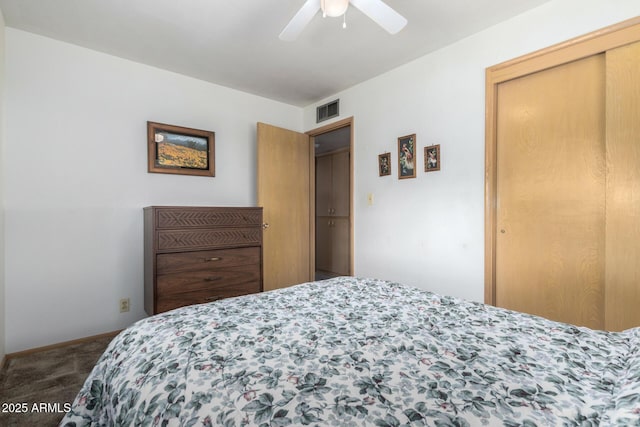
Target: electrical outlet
column 124, row 305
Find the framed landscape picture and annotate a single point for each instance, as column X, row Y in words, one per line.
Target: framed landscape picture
column 407, row 156
column 180, row 150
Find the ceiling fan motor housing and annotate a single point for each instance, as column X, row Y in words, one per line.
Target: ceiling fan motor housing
column 334, row 8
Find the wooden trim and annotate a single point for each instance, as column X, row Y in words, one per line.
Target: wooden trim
column 490, row 191
column 349, row 121
column 59, row 345
column 331, row 126
column 312, row 209
column 336, row 151
column 589, row 44
column 351, row 204
column 580, row 47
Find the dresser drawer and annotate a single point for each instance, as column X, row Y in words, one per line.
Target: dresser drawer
column 206, row 260
column 218, row 280
column 196, row 239
column 205, row 218
column 176, row 290
column 166, row 303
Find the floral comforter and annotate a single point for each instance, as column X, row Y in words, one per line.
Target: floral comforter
column 360, row 352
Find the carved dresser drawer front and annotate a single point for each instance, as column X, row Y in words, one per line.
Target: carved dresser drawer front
column 206, row 218
column 190, row 239
column 206, row 260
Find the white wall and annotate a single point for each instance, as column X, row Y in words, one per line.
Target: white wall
column 429, row 231
column 76, row 179
column 2, row 169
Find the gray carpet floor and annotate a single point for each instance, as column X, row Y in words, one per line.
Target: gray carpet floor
column 35, row 388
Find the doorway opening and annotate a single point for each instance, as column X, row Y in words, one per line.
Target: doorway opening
column 333, row 212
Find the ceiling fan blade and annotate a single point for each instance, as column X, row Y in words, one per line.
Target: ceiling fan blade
column 381, row 14
column 300, row 20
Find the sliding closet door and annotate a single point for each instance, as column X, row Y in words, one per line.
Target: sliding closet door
column 550, row 208
column 562, row 204
column 623, row 188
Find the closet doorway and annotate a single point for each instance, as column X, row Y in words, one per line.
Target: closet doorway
column 333, row 200
column 563, row 181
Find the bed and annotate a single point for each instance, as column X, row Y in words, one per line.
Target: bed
column 360, row 352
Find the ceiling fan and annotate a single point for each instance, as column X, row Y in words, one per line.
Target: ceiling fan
column 377, row 10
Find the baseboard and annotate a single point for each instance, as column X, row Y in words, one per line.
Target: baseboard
column 9, row 356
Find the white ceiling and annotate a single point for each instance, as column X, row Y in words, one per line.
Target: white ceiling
column 235, row 43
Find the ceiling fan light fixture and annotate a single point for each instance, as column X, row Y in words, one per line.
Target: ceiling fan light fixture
column 377, row 10
column 334, row 8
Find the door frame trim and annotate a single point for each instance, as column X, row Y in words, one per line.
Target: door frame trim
column 312, row 190
column 593, row 43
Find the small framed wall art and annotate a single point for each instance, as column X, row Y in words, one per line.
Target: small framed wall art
column 406, row 156
column 384, row 164
column 432, row 158
column 180, row 150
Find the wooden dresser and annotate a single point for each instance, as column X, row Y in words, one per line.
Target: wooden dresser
column 194, row 255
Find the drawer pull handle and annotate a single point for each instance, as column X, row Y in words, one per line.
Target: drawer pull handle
column 213, row 298
column 212, row 278
column 215, row 258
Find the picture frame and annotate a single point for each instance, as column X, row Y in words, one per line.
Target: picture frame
column 406, row 156
column 180, row 150
column 432, row 158
column 384, row 164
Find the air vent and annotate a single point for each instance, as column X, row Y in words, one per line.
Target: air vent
column 328, row 111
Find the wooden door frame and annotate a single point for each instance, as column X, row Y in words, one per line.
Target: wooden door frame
column 596, row 42
column 312, row 190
